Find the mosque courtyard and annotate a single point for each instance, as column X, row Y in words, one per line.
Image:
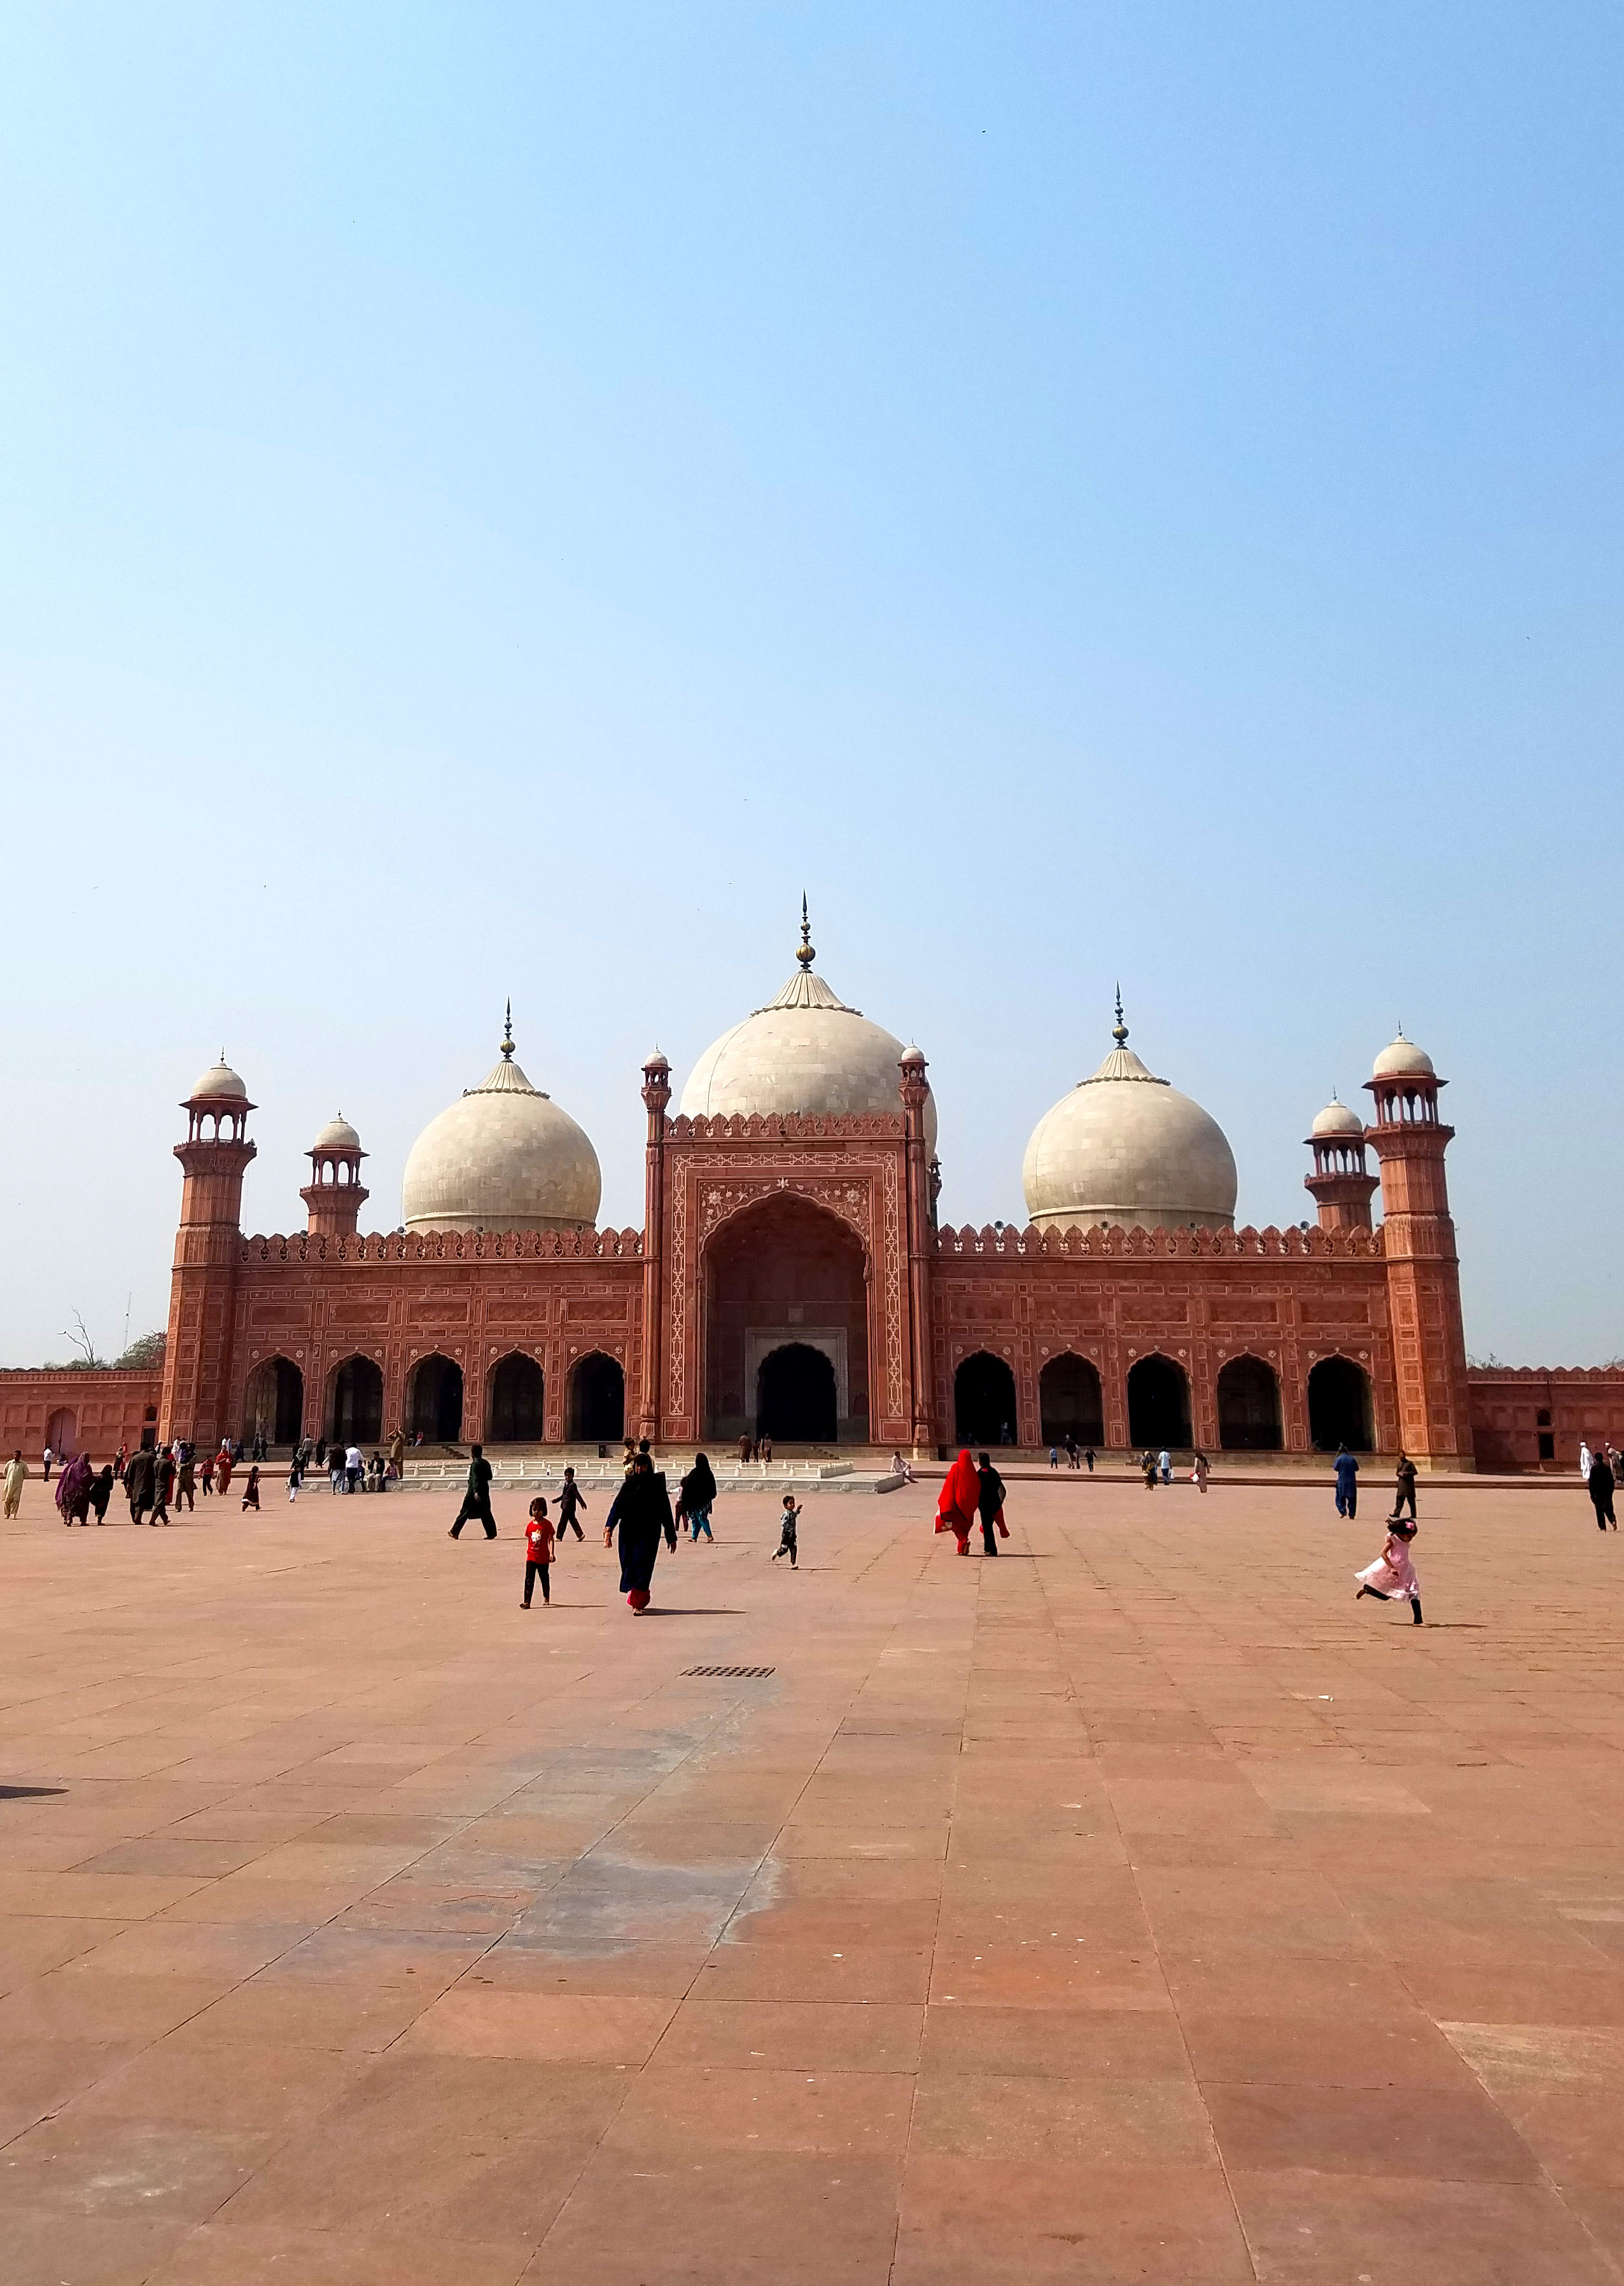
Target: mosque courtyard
column 1136, row 1907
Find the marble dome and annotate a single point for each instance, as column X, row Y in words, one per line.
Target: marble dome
column 1125, row 1147
column 220, row 1080
column 805, row 1051
column 1403, row 1056
column 504, row 1158
column 1338, row 1119
column 337, row 1135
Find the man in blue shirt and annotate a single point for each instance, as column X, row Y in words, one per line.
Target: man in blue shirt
column 1347, row 1482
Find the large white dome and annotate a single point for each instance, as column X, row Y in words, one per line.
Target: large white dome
column 806, row 1052
column 1125, row 1147
column 504, row 1158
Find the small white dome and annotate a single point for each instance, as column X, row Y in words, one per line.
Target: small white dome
column 1338, row 1119
column 1125, row 1147
column 504, row 1158
column 220, row 1080
column 1403, row 1056
column 337, row 1135
column 805, row 1052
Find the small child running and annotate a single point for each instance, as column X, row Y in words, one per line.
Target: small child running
column 537, row 1553
column 787, row 1523
column 1392, row 1578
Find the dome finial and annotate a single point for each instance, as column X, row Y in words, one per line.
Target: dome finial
column 508, row 1035
column 804, row 952
column 1119, row 1030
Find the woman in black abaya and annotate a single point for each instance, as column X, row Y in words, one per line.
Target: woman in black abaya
column 641, row 1512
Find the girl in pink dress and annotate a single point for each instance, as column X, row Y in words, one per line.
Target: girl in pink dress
column 1392, row 1578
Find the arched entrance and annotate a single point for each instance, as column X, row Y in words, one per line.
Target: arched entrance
column 1248, row 1406
column 434, row 1399
column 513, row 1414
column 597, row 1399
column 1070, row 1402
column 984, row 1400
column 1339, row 1406
column 62, row 1433
column 795, row 1396
column 273, row 1406
column 358, row 1402
column 786, row 1276
column 1158, row 1403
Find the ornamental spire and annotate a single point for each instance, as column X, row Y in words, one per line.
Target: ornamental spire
column 508, row 1035
column 1119, row 1030
column 804, row 952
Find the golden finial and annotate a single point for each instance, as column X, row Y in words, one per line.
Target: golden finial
column 508, row 1035
column 1119, row 1030
column 804, row 952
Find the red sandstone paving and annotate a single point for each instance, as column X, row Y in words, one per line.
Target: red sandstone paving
column 1073, row 1918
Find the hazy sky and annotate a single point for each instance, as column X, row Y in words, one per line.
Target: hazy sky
column 498, row 500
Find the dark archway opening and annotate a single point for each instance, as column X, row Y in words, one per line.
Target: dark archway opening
column 275, row 1402
column 984, row 1401
column 516, row 1393
column 795, row 1399
column 597, row 1400
column 62, row 1433
column 1339, row 1406
column 358, row 1402
column 1158, row 1403
column 434, row 1399
column 1248, row 1406
column 1070, row 1402
column 775, row 1276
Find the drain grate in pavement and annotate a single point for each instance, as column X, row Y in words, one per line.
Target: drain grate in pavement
column 750, row 1672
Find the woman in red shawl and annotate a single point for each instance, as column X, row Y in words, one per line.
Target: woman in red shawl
column 958, row 1506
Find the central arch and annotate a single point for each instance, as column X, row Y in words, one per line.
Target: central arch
column 1248, row 1406
column 984, row 1400
column 1070, row 1400
column 1339, row 1406
column 514, row 1414
column 273, row 1404
column 597, row 1399
column 357, row 1415
column 434, row 1399
column 1158, row 1403
column 786, row 1279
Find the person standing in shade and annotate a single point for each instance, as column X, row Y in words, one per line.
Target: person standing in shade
column 641, row 1513
column 477, row 1498
column 1404, row 1488
column 537, row 1553
column 1600, row 1484
column 572, row 1503
column 989, row 1504
column 1346, row 1466
column 138, row 1478
column 16, row 1477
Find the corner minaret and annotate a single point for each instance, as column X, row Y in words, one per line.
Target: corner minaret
column 214, row 1158
column 1423, row 1279
column 1341, row 1185
column 333, row 1195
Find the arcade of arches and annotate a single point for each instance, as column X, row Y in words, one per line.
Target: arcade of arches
column 786, row 1326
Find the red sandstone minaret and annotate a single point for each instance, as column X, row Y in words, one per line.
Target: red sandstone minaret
column 921, row 1240
column 1423, row 1281
column 656, row 1095
column 333, row 1195
column 1341, row 1184
column 215, row 1157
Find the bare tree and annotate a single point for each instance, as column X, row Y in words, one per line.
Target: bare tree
column 79, row 1337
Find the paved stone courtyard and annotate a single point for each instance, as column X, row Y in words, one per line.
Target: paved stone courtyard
column 1136, row 1908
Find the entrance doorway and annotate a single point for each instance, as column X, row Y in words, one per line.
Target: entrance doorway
column 787, row 1280
column 275, row 1407
column 514, row 1416
column 1248, row 1406
column 62, row 1433
column 358, row 1402
column 1158, row 1403
column 1070, row 1402
column 597, row 1400
column 1339, row 1406
column 434, row 1399
column 984, row 1401
column 795, row 1398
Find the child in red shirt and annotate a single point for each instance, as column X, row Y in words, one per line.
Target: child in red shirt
column 538, row 1552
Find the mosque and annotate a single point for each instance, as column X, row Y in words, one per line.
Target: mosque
column 792, row 1278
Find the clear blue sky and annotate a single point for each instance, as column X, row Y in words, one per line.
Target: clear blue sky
column 497, row 500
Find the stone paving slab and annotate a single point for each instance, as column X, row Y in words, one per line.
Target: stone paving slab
column 1136, row 1907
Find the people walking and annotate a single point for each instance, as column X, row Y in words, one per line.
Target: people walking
column 251, row 1490
column 787, row 1523
column 120, row 1461
column 1088, row 1457
column 698, row 1493
column 207, row 1475
column 101, row 1493
column 764, row 1454
column 16, row 1477
column 1165, row 1462
column 1346, row 1468
column 354, row 1467
column 295, row 1477
column 1404, row 1488
column 163, row 1485
column 138, row 1478
column 1585, row 1458
column 640, row 1513
column 1147, row 1462
column 396, row 1453
column 989, row 1504
column 477, row 1498
column 223, row 1469
column 537, row 1553
column 74, row 1490
column 1200, row 1471
column 1600, row 1484
column 572, row 1503
column 186, row 1481
column 335, row 1470
column 744, row 1447
column 1392, row 1578
column 958, row 1503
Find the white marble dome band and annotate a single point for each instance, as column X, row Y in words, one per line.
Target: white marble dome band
column 1125, row 1147
column 504, row 1158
